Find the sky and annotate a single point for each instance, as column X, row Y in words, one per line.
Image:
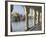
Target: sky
column 20, row 9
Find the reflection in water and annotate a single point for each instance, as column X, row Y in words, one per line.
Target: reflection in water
column 20, row 26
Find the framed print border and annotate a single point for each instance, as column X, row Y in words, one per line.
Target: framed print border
column 6, row 18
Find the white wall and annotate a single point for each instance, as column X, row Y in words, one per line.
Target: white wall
column 2, row 18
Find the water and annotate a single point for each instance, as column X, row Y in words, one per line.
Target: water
column 20, row 26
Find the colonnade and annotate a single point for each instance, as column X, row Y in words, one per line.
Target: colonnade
column 36, row 16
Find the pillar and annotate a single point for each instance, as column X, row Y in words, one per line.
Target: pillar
column 26, row 19
column 37, row 16
column 33, row 16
